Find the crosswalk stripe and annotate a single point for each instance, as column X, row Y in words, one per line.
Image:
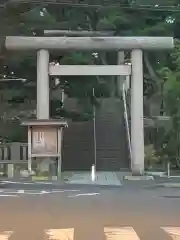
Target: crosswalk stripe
column 174, row 232
column 60, row 234
column 5, row 235
column 111, row 233
column 120, row 233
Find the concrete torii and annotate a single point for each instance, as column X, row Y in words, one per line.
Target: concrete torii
column 134, row 44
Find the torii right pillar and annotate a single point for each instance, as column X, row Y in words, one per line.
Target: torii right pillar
column 137, row 124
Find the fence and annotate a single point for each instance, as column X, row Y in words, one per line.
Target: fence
column 12, row 154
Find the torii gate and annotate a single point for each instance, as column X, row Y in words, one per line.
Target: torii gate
column 134, row 44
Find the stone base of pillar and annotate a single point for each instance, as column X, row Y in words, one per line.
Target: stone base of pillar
column 54, row 178
column 138, row 169
column 10, row 170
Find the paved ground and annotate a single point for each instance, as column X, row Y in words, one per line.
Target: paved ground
column 101, row 178
column 135, row 210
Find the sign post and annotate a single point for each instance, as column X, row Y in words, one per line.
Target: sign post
column 45, row 140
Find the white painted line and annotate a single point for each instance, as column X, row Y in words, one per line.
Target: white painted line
column 120, row 233
column 27, row 183
column 60, row 191
column 5, row 235
column 12, row 192
column 60, row 234
column 64, row 190
column 8, row 195
column 50, row 183
column 31, row 193
column 57, row 191
column 20, row 191
column 174, row 232
column 83, row 194
column 44, row 192
column 12, row 182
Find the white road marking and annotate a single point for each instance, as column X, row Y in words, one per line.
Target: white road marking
column 12, row 182
column 111, row 233
column 5, row 235
column 44, row 192
column 25, row 193
column 66, row 190
column 41, row 182
column 8, row 195
column 27, row 183
column 20, row 191
column 83, row 194
column 63, row 191
column 60, row 234
column 120, row 233
column 34, row 192
column 174, row 232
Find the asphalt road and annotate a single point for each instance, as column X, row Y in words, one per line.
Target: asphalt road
column 133, row 211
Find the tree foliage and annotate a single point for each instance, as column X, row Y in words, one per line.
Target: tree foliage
column 161, row 69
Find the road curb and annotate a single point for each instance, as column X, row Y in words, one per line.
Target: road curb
column 138, row 178
column 171, row 185
column 156, row 174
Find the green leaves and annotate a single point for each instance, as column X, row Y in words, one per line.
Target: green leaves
column 78, row 58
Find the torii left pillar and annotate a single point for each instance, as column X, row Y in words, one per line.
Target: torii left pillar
column 42, row 112
column 43, row 84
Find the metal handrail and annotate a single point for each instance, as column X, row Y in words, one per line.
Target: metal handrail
column 126, row 121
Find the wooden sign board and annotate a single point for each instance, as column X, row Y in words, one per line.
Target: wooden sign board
column 44, row 140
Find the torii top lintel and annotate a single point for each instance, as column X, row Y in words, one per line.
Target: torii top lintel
column 88, row 43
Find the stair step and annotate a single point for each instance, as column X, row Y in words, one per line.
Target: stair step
column 78, row 142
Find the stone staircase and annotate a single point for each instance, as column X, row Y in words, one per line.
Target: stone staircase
column 78, row 153
column 112, row 149
column 111, row 136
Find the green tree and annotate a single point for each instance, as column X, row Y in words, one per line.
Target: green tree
column 125, row 20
